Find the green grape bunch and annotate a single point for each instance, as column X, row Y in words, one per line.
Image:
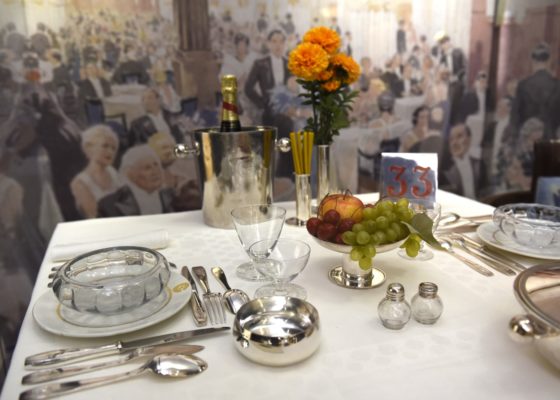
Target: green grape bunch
column 383, row 223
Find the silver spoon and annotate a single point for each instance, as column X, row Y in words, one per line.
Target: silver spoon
column 51, row 374
column 168, row 365
column 235, row 298
column 446, row 244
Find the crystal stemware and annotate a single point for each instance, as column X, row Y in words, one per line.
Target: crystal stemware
column 281, row 262
column 254, row 223
column 432, row 210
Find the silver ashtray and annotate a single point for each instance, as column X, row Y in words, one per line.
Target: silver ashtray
column 538, row 290
column 277, row 330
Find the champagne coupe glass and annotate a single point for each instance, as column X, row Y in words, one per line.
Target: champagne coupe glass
column 254, row 223
column 432, row 210
column 281, row 261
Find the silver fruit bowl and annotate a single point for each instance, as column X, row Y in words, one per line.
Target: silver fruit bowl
column 277, row 330
column 538, row 291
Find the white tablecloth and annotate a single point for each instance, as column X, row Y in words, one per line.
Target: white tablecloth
column 466, row 355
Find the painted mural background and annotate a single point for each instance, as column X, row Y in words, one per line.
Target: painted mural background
column 94, row 95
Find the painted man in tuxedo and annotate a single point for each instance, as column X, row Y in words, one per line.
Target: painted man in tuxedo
column 155, row 120
column 463, row 174
column 454, row 59
column 95, row 86
column 538, row 95
column 475, row 102
column 266, row 74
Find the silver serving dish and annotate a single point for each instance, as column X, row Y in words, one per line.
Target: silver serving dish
column 277, row 330
column 533, row 225
column 112, row 281
column 538, row 291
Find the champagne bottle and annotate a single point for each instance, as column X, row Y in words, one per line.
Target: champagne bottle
column 230, row 115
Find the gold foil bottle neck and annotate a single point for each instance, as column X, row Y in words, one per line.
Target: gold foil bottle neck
column 229, row 82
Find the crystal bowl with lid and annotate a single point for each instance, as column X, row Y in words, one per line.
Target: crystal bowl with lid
column 535, row 226
column 112, row 281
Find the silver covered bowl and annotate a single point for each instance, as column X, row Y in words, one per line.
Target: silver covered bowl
column 538, row 291
column 277, row 330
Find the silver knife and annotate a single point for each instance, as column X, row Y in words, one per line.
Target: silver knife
column 58, row 372
column 64, row 355
column 199, row 313
column 489, row 261
column 499, row 256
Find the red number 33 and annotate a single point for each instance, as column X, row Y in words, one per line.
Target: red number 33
column 403, row 187
column 428, row 186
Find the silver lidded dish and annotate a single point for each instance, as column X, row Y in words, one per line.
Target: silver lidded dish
column 112, row 281
column 535, row 226
column 538, row 290
column 277, row 330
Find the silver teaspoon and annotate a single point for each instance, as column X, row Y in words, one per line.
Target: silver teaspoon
column 234, row 298
column 168, row 365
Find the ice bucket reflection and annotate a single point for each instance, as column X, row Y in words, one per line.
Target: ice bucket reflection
column 236, row 168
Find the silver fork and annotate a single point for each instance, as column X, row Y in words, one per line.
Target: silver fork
column 212, row 301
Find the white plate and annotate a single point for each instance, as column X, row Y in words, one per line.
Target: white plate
column 46, row 312
column 490, row 234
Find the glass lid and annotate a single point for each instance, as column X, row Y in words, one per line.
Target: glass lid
column 538, row 291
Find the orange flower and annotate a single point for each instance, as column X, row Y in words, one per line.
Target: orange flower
column 307, row 61
column 332, row 85
column 349, row 67
column 324, row 37
column 326, row 75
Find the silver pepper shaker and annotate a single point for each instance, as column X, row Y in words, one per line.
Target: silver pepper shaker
column 426, row 304
column 394, row 311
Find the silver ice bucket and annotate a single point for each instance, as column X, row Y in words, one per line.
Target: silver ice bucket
column 236, row 168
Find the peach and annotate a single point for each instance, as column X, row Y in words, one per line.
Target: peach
column 347, row 205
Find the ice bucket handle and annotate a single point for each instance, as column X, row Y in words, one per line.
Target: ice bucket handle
column 182, row 150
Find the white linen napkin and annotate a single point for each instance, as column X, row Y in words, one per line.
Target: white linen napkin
column 158, row 239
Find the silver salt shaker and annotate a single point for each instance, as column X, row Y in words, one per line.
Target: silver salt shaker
column 394, row 311
column 426, row 304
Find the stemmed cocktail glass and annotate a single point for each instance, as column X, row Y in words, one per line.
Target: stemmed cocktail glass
column 281, row 262
column 254, row 223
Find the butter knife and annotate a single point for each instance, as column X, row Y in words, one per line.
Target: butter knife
column 72, row 354
column 199, row 313
column 50, row 374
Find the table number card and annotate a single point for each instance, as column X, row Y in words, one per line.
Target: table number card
column 409, row 175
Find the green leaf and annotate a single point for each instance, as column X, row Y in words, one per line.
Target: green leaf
column 422, row 225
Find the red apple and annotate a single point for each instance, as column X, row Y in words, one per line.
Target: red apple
column 346, row 205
